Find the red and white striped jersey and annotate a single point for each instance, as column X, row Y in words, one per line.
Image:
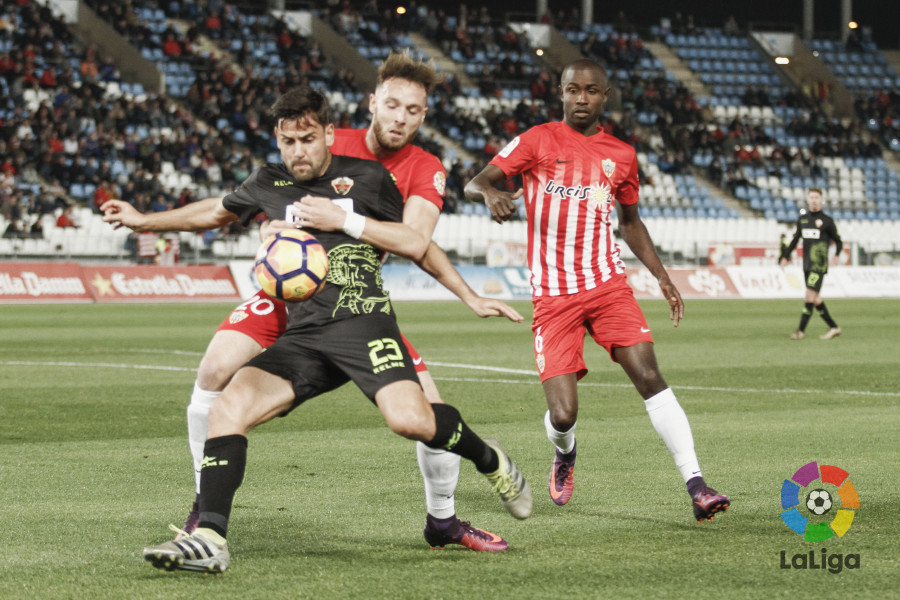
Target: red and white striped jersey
column 571, row 184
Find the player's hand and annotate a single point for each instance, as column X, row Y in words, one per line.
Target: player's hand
column 319, row 212
column 783, row 262
column 272, row 227
column 490, row 307
column 673, row 297
column 502, row 204
column 119, row 214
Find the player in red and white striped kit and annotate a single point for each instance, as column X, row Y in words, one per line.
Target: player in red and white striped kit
column 574, row 175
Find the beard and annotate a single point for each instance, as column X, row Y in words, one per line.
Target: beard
column 381, row 135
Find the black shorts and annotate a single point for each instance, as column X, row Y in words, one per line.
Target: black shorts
column 813, row 280
column 366, row 349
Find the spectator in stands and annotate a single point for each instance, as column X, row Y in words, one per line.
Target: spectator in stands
column 166, row 254
column 67, row 218
column 13, row 229
column 171, row 46
column 103, row 192
column 36, row 231
column 160, row 203
column 730, row 27
column 716, row 170
column 213, row 24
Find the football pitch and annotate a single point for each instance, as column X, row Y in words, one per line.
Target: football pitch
column 94, row 462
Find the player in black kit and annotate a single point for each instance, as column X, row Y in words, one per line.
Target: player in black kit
column 347, row 332
column 818, row 231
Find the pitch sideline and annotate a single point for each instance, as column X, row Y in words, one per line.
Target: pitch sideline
column 531, row 381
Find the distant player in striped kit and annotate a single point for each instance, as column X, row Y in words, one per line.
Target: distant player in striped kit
column 574, row 175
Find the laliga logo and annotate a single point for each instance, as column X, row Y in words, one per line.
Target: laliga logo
column 809, row 498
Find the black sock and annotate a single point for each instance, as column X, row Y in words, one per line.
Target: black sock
column 694, row 485
column 221, row 474
column 453, row 435
column 442, row 524
column 807, row 313
column 823, row 312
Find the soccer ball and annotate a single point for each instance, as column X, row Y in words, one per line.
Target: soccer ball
column 291, row 265
column 818, row 502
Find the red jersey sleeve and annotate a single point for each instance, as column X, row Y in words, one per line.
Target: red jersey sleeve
column 425, row 176
column 518, row 156
column 627, row 189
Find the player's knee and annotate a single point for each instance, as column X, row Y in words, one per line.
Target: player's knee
column 650, row 384
column 411, row 429
column 563, row 417
column 213, row 375
column 413, row 424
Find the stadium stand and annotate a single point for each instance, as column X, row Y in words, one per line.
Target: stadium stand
column 731, row 162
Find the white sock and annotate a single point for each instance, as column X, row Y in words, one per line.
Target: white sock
column 198, row 425
column 440, row 469
column 672, row 425
column 563, row 440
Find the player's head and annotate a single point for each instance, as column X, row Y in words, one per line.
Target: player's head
column 400, row 101
column 814, row 199
column 303, row 130
column 584, row 89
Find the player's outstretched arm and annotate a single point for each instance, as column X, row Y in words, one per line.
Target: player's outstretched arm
column 635, row 234
column 208, row 213
column 321, row 213
column 481, row 188
column 438, row 265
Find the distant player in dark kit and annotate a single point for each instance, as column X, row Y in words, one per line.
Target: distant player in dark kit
column 347, row 332
column 818, row 231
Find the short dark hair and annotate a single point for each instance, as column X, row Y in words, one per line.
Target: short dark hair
column 584, row 63
column 403, row 66
column 816, row 191
column 301, row 102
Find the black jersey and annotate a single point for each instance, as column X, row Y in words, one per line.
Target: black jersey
column 354, row 283
column 817, row 230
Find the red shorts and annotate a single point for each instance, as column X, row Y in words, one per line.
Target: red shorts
column 260, row 317
column 418, row 363
column 609, row 313
column 263, row 319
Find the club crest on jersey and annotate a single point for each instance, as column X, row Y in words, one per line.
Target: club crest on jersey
column 609, row 167
column 237, row 316
column 342, row 185
column 440, row 182
column 819, row 222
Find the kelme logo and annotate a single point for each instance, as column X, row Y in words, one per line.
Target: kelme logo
column 819, row 502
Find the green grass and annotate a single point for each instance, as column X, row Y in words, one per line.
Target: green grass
column 94, row 462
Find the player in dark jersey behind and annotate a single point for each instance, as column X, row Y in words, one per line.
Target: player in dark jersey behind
column 574, row 174
column 347, row 332
column 818, row 231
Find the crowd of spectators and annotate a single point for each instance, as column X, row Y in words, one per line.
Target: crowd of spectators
column 880, row 111
column 61, row 123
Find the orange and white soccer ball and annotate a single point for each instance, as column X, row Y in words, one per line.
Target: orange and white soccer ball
column 291, row 265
